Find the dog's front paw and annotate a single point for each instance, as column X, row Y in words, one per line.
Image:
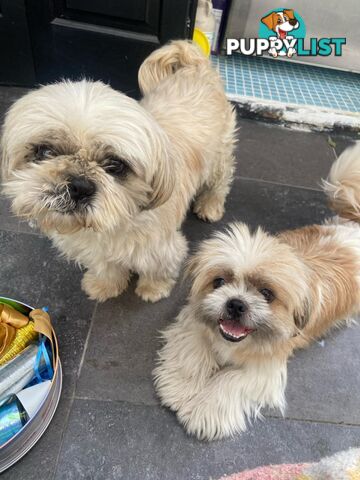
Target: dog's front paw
column 100, row 289
column 154, row 290
column 207, row 422
column 209, row 207
column 201, row 423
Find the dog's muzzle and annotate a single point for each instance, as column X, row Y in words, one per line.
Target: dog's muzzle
column 231, row 325
column 81, row 189
column 73, row 197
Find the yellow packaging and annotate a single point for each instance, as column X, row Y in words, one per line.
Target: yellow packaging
column 23, row 337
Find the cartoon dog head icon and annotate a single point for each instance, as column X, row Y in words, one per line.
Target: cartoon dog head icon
column 281, row 22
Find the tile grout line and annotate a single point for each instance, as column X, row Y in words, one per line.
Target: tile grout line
column 86, row 344
column 236, row 177
column 152, row 405
column 117, row 401
column 271, row 182
column 73, row 396
column 10, row 230
column 334, row 152
column 71, row 402
column 310, row 420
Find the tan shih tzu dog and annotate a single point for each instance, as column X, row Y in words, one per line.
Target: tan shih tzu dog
column 110, row 180
column 255, row 298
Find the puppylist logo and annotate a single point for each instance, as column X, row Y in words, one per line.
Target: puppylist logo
column 282, row 33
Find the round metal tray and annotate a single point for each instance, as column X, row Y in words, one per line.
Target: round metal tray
column 25, row 439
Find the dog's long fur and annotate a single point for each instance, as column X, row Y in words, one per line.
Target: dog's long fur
column 147, row 160
column 216, row 385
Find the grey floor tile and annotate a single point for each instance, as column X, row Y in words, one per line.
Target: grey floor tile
column 124, row 338
column 8, row 95
column 113, row 441
column 341, row 143
column 33, row 272
column 9, row 222
column 281, row 155
column 122, row 347
column 324, row 380
column 274, row 207
column 40, row 462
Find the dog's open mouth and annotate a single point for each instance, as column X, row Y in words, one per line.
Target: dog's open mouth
column 232, row 331
column 282, row 34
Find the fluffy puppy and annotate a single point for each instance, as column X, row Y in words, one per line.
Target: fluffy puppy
column 255, row 298
column 110, row 180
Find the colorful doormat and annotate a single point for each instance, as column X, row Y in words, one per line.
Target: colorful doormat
column 342, row 466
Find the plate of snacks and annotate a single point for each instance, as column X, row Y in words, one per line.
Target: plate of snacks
column 30, row 378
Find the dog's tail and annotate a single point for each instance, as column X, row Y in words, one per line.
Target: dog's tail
column 343, row 184
column 166, row 61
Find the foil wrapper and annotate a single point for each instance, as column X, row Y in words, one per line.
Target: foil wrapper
column 12, row 419
column 20, row 371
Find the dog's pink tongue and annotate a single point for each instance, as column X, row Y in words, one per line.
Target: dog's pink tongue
column 282, row 33
column 234, row 328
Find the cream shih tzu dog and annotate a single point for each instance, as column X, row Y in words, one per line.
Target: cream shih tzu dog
column 110, row 180
column 254, row 299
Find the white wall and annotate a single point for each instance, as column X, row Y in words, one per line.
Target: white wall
column 323, row 18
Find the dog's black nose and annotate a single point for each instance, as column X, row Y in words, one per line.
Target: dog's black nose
column 293, row 21
column 236, row 307
column 81, row 188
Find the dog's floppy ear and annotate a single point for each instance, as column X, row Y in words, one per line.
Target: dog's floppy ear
column 302, row 315
column 270, row 20
column 191, row 265
column 162, row 184
column 195, row 273
column 290, row 14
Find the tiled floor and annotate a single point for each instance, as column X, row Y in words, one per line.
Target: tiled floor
column 288, row 82
column 109, row 424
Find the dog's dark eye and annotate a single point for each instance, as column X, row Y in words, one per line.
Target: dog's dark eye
column 279, row 21
column 43, row 151
column 116, row 167
column 218, row 282
column 267, row 294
